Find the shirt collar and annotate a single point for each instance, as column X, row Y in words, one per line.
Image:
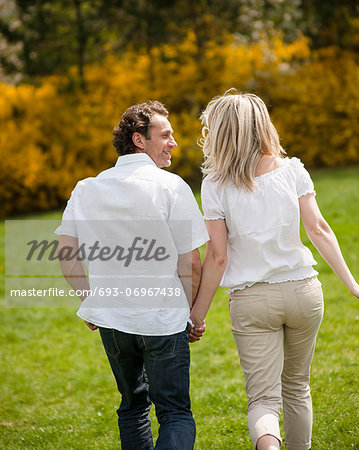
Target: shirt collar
column 132, row 158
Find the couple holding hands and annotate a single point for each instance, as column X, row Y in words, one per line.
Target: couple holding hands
column 253, row 198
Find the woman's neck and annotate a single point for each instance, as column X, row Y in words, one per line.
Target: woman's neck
column 266, row 164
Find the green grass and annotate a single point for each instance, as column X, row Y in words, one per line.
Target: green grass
column 57, row 391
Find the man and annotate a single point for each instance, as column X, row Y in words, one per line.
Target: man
column 144, row 227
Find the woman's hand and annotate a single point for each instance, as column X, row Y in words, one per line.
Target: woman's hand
column 355, row 290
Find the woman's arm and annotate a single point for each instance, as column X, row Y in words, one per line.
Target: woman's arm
column 189, row 272
column 214, row 264
column 324, row 240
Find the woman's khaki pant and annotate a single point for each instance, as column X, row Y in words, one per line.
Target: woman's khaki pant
column 275, row 327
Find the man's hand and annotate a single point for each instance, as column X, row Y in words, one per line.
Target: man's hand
column 91, row 326
column 195, row 333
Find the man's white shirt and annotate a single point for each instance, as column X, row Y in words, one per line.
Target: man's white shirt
column 132, row 221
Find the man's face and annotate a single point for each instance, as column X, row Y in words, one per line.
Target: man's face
column 160, row 142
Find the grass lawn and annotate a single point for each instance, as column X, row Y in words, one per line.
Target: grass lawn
column 57, row 391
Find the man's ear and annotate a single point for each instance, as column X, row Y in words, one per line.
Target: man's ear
column 138, row 139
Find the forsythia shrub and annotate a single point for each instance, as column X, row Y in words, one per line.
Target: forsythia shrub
column 53, row 135
column 39, row 150
column 316, row 110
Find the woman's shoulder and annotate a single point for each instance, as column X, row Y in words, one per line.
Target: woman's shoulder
column 292, row 164
column 209, row 178
column 294, row 161
column 212, row 188
column 281, row 166
column 296, row 166
column 210, row 181
column 210, row 184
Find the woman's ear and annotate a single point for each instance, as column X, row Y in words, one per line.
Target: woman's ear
column 138, row 140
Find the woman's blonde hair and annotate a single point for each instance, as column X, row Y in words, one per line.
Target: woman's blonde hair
column 237, row 132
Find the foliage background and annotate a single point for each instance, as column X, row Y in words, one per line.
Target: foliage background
column 70, row 68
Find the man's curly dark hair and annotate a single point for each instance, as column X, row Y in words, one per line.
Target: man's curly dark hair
column 136, row 118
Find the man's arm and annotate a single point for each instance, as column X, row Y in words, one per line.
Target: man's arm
column 73, row 270
column 189, row 272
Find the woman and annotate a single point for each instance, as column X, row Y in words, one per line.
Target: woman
column 253, row 199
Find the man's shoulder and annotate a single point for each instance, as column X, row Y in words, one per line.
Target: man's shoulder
column 165, row 177
column 111, row 171
column 81, row 183
column 153, row 175
column 146, row 172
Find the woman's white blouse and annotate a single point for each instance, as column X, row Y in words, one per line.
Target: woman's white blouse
column 264, row 242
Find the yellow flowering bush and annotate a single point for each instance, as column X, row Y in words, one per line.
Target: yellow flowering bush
column 52, row 135
column 316, row 110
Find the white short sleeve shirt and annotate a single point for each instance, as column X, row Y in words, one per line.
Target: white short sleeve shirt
column 132, row 221
column 264, row 242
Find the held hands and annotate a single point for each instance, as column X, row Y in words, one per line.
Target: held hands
column 195, row 333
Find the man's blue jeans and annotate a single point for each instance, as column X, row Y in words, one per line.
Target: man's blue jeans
column 152, row 369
